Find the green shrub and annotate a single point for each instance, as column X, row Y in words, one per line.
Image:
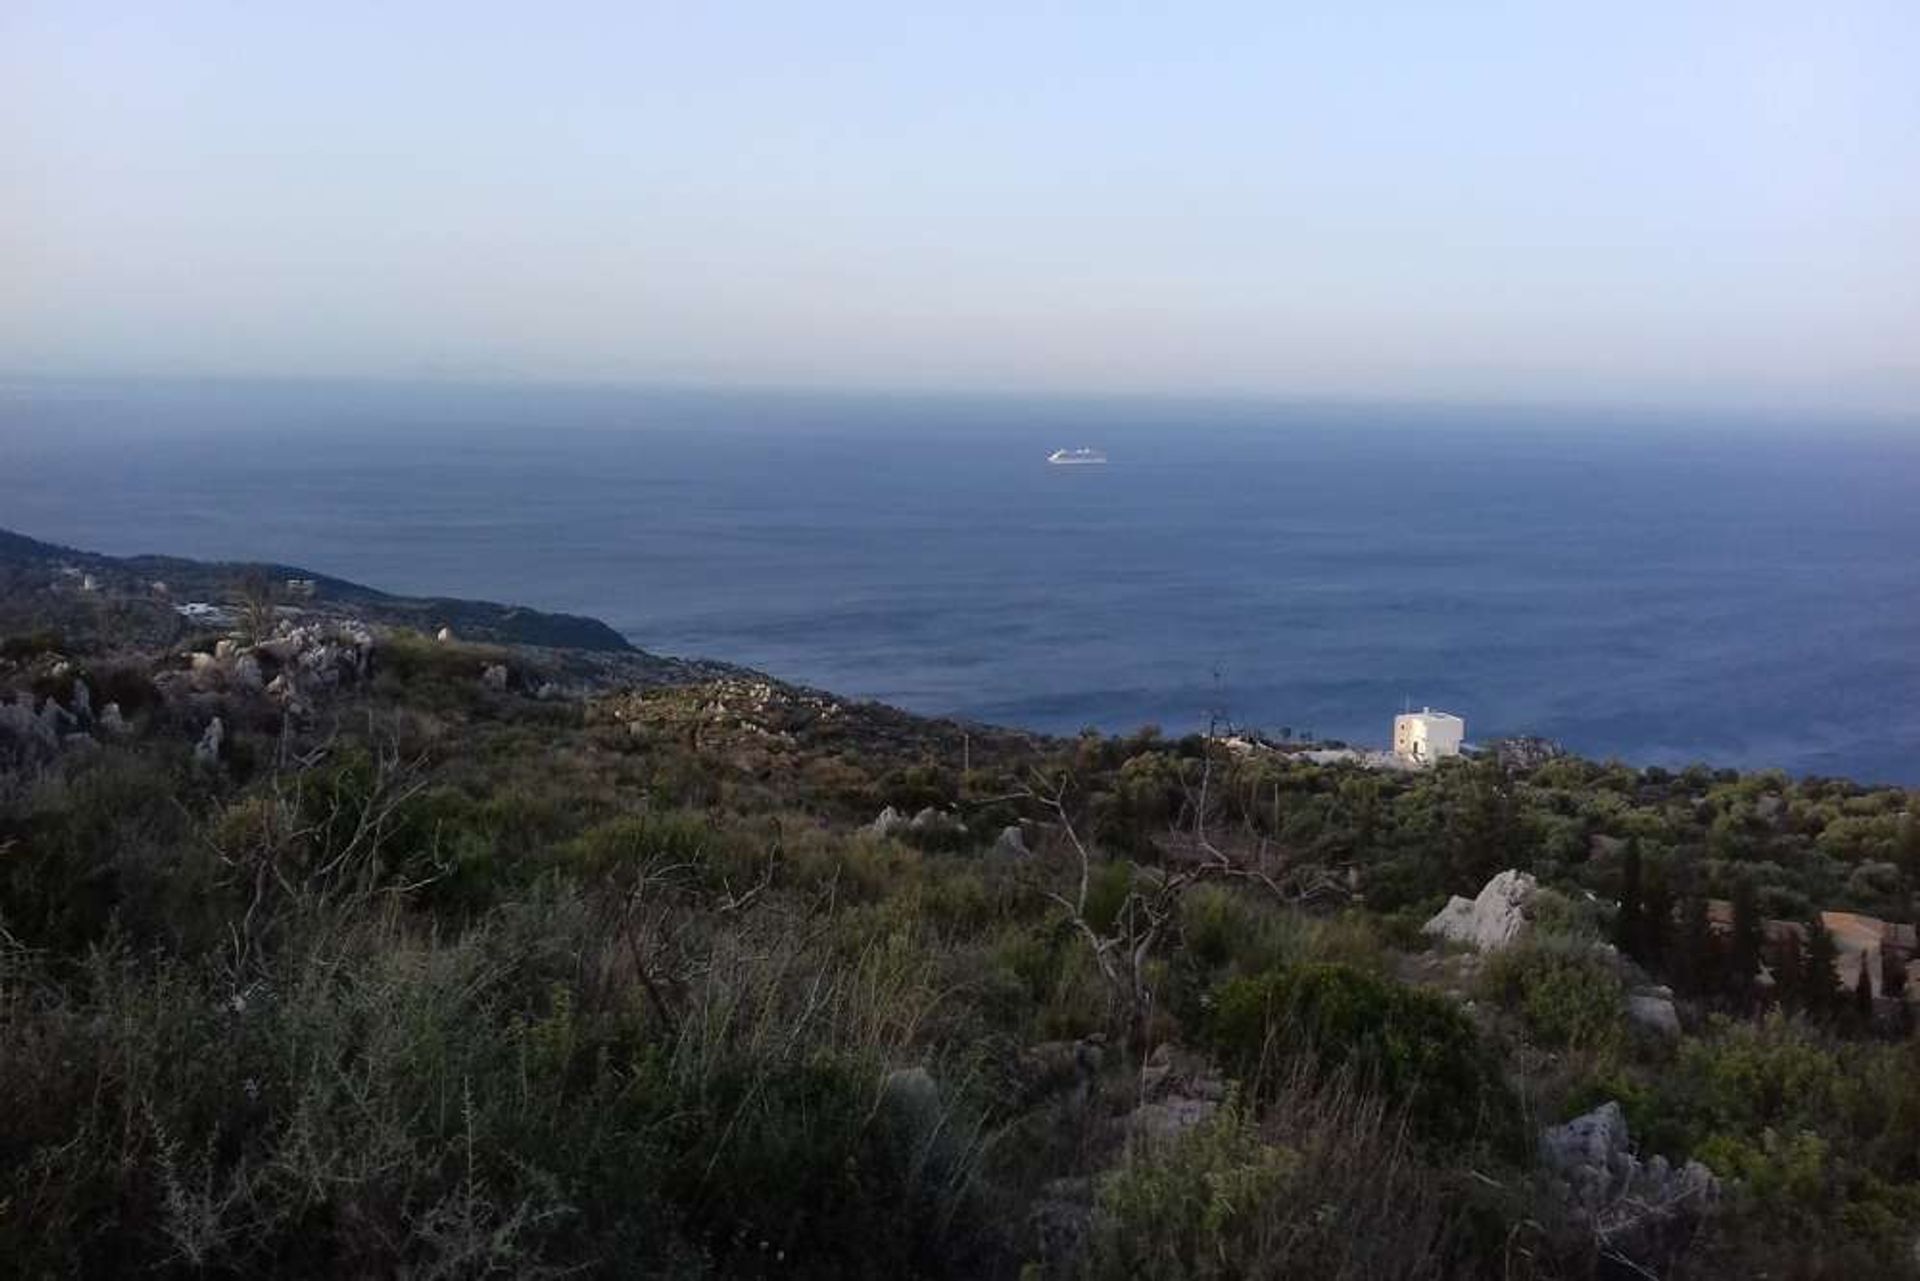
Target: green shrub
column 1199, row 1210
column 1230, row 931
column 1569, row 996
column 1414, row 1047
column 1325, row 1187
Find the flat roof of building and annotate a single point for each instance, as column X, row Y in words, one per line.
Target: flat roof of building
column 1428, row 713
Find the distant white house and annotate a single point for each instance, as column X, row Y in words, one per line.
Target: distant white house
column 1427, row 735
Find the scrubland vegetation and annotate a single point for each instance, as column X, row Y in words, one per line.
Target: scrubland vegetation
column 442, row 979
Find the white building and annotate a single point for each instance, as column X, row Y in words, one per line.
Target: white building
column 1427, row 735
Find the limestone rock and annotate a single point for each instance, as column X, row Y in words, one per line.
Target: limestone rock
column 1640, row 1211
column 914, row 1097
column 444, row 635
column 1496, row 917
column 1652, row 1008
column 111, row 721
column 931, row 820
column 891, row 822
column 494, row 677
column 1171, row 1072
column 1163, row 1121
column 1011, row 843
column 1179, row 1090
column 207, row 750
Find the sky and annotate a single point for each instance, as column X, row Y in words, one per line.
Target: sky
column 1667, row 202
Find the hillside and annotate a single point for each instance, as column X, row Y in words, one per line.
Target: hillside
column 45, row 582
column 329, row 948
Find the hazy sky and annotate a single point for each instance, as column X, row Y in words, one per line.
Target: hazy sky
column 1623, row 201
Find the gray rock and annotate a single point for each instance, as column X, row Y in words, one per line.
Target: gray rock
column 1011, row 843
column 891, row 822
column 1171, row 1072
column 494, row 677
column 1169, row 1119
column 1495, row 918
column 207, row 750
column 204, row 670
column 57, row 720
column 82, row 701
column 28, row 733
column 914, row 1096
column 111, row 721
column 1653, row 1010
column 1642, row 1212
column 930, row 820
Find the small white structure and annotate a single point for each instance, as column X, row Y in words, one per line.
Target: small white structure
column 1427, row 735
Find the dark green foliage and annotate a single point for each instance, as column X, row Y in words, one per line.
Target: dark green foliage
column 1413, row 1047
column 1325, row 1187
column 1569, row 997
column 22, row 646
column 1820, row 992
column 1486, row 831
column 1631, row 926
column 451, row 980
column 1694, row 958
column 1743, row 946
column 1815, row 1138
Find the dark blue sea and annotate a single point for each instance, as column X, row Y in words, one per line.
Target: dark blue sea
column 1658, row 587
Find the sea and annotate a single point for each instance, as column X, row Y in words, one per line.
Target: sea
column 1660, row 587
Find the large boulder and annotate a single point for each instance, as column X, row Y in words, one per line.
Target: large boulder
column 891, row 822
column 1641, row 1212
column 1012, row 844
column 1652, row 1009
column 1501, row 913
column 935, row 822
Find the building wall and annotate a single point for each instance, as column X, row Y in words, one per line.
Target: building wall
column 1427, row 735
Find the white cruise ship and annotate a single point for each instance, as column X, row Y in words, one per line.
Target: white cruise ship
column 1075, row 457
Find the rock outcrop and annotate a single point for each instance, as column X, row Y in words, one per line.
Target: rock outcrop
column 889, row 822
column 207, row 750
column 1642, row 1213
column 1011, row 844
column 1500, row 914
column 1652, row 1008
column 936, row 822
column 1179, row 1090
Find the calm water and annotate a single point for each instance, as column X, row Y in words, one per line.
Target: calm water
column 1659, row 589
